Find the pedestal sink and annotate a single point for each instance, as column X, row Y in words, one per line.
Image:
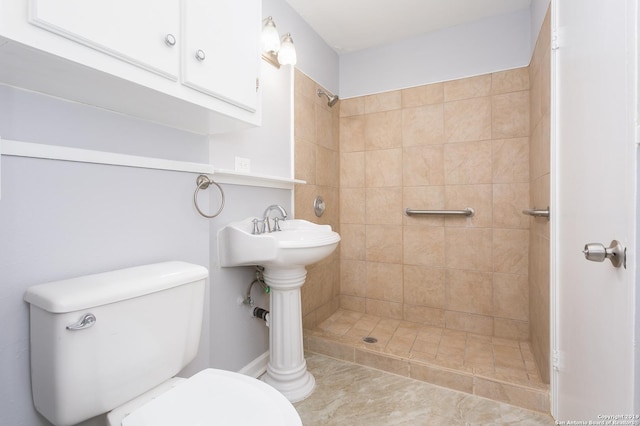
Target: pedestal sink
column 284, row 255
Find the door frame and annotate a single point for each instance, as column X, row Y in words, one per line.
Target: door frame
column 553, row 216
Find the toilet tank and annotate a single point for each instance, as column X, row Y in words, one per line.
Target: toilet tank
column 147, row 328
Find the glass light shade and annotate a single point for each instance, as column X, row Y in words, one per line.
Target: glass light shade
column 270, row 37
column 287, row 54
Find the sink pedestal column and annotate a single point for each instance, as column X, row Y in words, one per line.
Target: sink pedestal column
column 287, row 368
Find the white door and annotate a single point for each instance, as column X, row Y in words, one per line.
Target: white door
column 593, row 304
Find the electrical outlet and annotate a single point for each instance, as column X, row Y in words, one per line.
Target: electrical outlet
column 243, row 165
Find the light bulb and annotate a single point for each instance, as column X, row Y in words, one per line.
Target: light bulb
column 287, row 54
column 270, row 37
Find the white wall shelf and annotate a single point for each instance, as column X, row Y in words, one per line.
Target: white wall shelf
column 250, row 179
column 62, row 153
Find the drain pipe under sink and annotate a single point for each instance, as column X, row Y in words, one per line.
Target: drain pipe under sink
column 258, row 312
column 263, row 314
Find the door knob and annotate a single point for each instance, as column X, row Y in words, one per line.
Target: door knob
column 597, row 252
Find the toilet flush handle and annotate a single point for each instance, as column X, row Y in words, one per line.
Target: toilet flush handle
column 87, row 320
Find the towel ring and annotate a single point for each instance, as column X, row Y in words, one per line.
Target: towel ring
column 203, row 182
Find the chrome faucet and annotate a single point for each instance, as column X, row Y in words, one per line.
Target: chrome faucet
column 276, row 224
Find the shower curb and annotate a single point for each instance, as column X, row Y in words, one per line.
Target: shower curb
column 516, row 394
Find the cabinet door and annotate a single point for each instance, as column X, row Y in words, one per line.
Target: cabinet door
column 221, row 49
column 133, row 31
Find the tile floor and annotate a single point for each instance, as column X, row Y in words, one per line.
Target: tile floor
column 348, row 394
column 499, row 369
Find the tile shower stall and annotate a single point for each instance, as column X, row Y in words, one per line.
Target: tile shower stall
column 456, row 301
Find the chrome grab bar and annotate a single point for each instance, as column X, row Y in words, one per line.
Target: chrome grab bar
column 537, row 212
column 466, row 212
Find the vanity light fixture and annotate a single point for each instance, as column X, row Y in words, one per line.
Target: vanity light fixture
column 277, row 51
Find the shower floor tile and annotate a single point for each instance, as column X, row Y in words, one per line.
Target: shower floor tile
column 496, row 368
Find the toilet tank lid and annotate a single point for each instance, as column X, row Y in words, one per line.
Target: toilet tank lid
column 108, row 287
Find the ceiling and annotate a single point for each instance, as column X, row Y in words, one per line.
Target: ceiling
column 350, row 25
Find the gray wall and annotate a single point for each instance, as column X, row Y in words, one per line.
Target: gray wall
column 268, row 147
column 315, row 58
column 538, row 10
column 62, row 219
column 488, row 45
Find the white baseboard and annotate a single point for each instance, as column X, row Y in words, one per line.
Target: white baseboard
column 257, row 367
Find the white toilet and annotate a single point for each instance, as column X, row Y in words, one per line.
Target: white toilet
column 112, row 342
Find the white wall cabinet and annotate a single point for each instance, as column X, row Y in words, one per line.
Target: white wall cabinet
column 133, row 31
column 216, row 38
column 190, row 64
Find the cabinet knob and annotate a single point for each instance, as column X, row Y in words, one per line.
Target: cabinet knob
column 170, row 40
column 200, row 55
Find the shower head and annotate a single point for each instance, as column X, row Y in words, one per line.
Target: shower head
column 332, row 99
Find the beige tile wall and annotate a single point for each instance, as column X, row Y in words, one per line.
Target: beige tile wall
column 480, row 142
column 317, row 161
column 451, row 145
column 540, row 78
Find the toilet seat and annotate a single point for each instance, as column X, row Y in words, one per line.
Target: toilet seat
column 214, row 397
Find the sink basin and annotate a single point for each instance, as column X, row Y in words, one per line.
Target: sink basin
column 299, row 243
